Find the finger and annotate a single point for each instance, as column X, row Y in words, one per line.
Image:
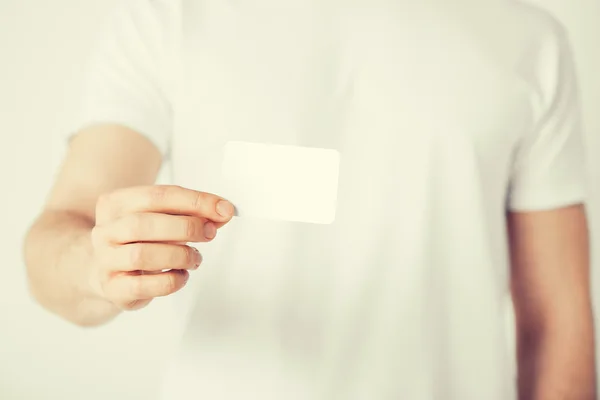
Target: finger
column 151, row 227
column 136, row 305
column 167, row 199
column 125, row 289
column 152, row 257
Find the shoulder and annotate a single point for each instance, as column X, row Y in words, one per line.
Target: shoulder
column 519, row 25
column 547, row 57
column 535, row 45
column 536, row 24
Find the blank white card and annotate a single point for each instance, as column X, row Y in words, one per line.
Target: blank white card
column 277, row 182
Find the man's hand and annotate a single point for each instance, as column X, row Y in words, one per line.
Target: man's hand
column 139, row 249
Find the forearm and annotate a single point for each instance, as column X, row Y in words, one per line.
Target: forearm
column 556, row 358
column 58, row 255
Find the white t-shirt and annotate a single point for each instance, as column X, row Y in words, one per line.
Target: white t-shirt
column 445, row 115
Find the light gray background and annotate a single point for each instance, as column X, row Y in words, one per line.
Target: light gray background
column 42, row 47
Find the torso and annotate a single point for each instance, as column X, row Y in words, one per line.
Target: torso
column 404, row 295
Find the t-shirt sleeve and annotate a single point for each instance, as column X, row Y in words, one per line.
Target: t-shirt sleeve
column 549, row 167
column 126, row 80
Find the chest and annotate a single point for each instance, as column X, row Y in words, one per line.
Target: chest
column 394, row 90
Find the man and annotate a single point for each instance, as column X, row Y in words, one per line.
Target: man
column 457, row 129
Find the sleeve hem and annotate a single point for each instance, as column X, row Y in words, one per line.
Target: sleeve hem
column 544, row 201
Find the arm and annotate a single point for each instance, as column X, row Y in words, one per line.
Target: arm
column 109, row 240
column 125, row 83
column 551, row 296
column 58, row 247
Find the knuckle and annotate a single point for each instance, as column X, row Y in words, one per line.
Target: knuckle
column 180, row 257
column 104, row 201
column 103, row 207
column 137, row 255
column 101, row 283
column 189, row 256
column 103, row 266
column 97, row 236
column 137, row 288
column 170, row 284
column 191, row 227
column 136, row 224
column 157, row 193
column 199, row 200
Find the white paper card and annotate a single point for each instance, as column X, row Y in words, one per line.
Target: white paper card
column 277, row 182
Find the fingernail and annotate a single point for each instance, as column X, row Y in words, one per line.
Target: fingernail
column 225, row 208
column 210, row 231
column 198, row 258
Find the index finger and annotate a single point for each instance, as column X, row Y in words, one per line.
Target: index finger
column 169, row 199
